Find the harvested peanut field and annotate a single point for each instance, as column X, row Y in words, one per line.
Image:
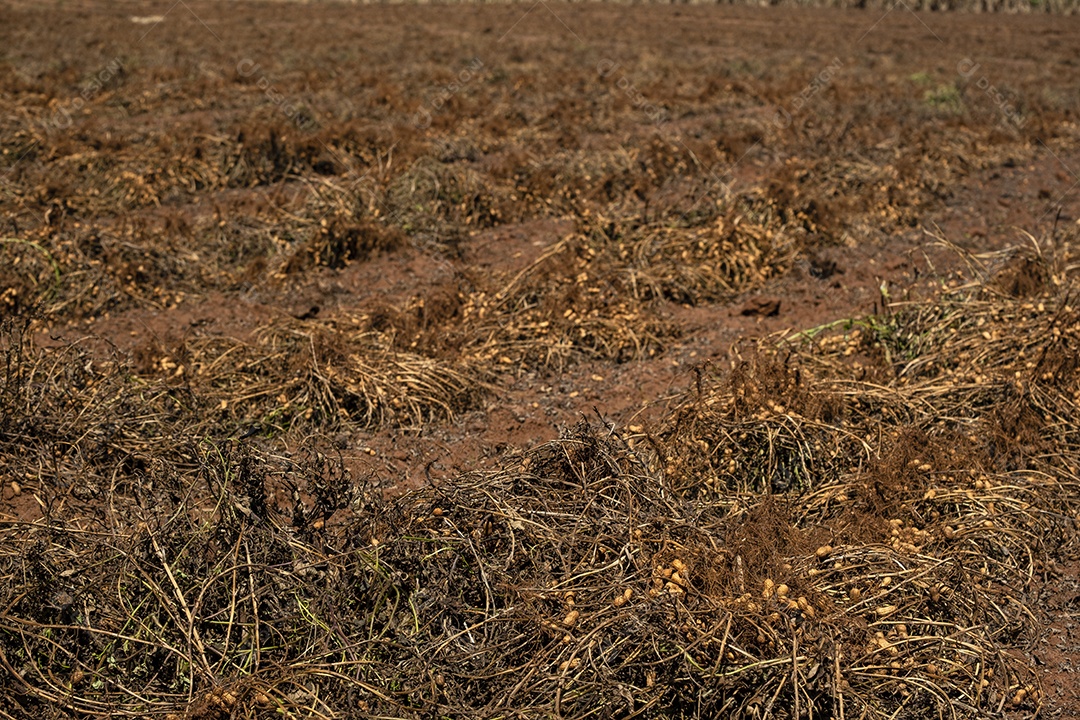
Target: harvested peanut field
column 538, row 361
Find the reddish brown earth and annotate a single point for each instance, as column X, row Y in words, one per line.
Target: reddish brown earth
column 896, row 100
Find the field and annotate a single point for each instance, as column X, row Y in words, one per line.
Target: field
column 538, row 360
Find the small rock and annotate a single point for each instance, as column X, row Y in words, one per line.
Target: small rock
column 761, row 306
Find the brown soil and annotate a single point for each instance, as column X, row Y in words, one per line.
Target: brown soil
column 210, row 204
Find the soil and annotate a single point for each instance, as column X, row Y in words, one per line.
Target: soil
column 1059, row 651
column 715, row 71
